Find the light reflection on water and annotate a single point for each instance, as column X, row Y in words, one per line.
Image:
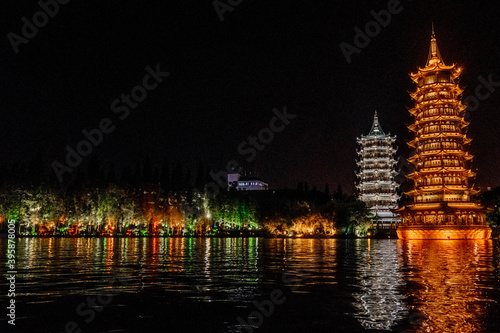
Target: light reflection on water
column 380, row 303
column 453, row 283
column 416, row 286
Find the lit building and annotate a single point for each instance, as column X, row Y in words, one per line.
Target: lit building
column 376, row 186
column 442, row 207
column 245, row 183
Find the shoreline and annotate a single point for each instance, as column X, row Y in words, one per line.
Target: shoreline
column 372, row 234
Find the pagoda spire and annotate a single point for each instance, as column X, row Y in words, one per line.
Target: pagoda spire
column 434, row 54
column 376, row 128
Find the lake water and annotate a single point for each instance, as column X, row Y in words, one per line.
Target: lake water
column 253, row 285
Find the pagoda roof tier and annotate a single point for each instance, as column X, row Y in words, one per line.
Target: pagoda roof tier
column 448, row 152
column 443, row 134
column 413, row 143
column 383, row 207
column 441, row 152
column 378, row 182
column 417, row 174
column 433, row 101
column 367, row 157
column 386, row 197
column 382, row 167
column 375, row 170
column 371, row 158
column 364, row 140
column 436, row 101
column 464, row 205
column 386, row 150
column 440, row 117
column 422, row 173
column 446, row 206
column 436, row 68
column 385, row 188
column 451, row 170
column 381, row 171
column 381, row 195
column 463, row 154
column 424, row 139
column 436, row 87
column 432, row 104
column 373, row 161
column 374, row 148
column 438, row 188
column 417, row 109
column 428, row 206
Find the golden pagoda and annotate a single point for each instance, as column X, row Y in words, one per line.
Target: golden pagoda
column 442, row 207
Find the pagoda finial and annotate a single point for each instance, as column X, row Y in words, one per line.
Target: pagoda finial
column 376, row 129
column 434, row 55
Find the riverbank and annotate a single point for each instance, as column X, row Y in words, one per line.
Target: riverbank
column 372, row 234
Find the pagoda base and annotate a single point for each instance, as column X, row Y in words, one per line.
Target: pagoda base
column 444, row 232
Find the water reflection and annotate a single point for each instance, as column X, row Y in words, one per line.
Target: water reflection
column 450, row 283
column 338, row 285
column 379, row 303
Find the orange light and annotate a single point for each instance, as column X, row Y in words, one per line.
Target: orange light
column 444, row 232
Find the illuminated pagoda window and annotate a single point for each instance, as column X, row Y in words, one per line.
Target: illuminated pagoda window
column 376, row 184
column 442, row 206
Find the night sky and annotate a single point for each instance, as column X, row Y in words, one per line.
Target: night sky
column 226, row 78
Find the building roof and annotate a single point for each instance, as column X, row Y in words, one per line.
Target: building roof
column 250, row 178
column 376, row 128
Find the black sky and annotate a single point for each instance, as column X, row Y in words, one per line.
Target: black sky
column 226, row 77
